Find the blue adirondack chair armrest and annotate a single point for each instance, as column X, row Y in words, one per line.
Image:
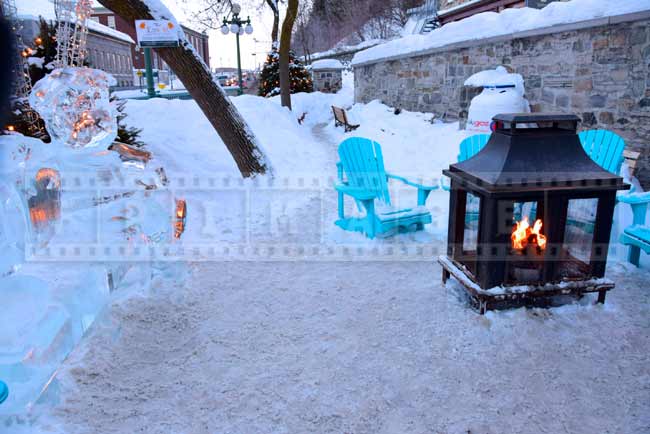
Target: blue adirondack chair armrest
column 355, row 192
column 413, row 184
column 4, row 392
column 423, row 190
column 339, row 171
column 639, row 203
column 635, row 198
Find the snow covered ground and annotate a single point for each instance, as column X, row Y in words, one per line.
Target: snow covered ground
column 358, row 337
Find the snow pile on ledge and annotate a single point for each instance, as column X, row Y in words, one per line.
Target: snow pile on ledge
column 494, row 77
column 489, row 24
column 326, row 64
column 341, row 49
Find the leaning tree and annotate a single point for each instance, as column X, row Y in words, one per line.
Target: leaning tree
column 197, row 78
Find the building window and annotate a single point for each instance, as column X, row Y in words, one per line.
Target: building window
column 111, row 21
column 95, row 19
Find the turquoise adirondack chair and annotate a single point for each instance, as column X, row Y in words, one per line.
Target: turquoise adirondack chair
column 4, row 392
column 469, row 147
column 362, row 176
column 636, row 236
column 604, row 147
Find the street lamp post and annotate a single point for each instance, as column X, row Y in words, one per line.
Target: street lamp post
column 236, row 26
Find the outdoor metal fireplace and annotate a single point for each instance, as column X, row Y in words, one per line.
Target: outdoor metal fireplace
column 530, row 215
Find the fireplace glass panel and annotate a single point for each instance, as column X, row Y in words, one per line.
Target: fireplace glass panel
column 524, row 209
column 470, row 236
column 578, row 238
column 527, row 245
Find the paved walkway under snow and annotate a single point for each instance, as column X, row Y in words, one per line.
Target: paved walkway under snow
column 350, row 347
column 357, row 347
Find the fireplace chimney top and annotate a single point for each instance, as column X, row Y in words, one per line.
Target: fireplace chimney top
column 508, row 123
column 534, row 152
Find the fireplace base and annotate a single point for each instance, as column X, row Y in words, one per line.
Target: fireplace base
column 502, row 297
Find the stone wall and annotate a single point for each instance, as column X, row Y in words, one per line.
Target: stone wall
column 327, row 80
column 598, row 70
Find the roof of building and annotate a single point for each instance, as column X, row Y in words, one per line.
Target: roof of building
column 327, row 64
column 33, row 9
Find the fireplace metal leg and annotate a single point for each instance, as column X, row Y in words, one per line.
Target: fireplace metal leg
column 445, row 276
column 601, row 296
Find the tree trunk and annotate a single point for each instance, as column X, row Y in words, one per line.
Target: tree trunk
column 273, row 4
column 285, row 47
column 212, row 100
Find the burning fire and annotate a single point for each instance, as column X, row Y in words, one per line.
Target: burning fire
column 524, row 235
column 181, row 213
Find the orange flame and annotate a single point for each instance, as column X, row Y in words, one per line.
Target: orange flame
column 47, row 174
column 38, row 216
column 181, row 212
column 523, row 234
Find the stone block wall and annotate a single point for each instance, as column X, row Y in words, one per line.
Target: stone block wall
column 327, row 80
column 599, row 70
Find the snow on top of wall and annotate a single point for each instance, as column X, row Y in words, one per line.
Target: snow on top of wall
column 490, row 24
column 341, row 49
column 327, row 64
column 33, row 9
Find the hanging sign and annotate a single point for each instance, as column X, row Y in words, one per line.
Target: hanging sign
column 156, row 33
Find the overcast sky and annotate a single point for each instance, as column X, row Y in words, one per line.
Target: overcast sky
column 223, row 51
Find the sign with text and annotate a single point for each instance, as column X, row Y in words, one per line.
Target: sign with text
column 156, row 33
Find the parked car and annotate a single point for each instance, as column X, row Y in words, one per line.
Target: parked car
column 223, row 79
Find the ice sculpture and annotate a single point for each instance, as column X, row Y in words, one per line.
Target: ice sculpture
column 75, row 105
column 48, row 203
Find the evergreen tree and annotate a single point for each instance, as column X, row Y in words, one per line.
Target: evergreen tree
column 125, row 134
column 270, row 76
column 44, row 53
column 39, row 58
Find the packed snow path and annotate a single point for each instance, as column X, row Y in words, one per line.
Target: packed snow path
column 347, row 346
column 357, row 347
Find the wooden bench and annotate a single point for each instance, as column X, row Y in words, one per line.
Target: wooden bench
column 340, row 118
column 632, row 159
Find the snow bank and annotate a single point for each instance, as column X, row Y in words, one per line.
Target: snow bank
column 411, row 144
column 177, row 132
column 489, row 24
column 326, row 64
